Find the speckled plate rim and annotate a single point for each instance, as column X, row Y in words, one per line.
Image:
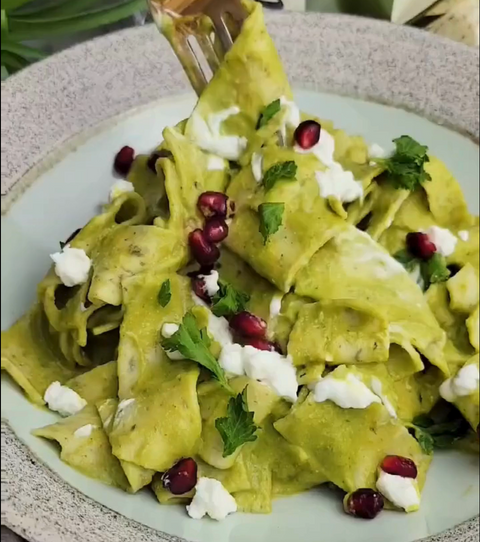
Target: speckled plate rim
column 47, row 105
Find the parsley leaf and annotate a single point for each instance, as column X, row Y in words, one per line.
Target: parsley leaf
column 278, row 172
column 406, row 259
column 407, row 165
column 268, row 113
column 238, row 427
column 228, row 301
column 427, row 444
column 165, row 293
column 271, row 217
column 445, row 430
column 435, row 270
column 194, row 344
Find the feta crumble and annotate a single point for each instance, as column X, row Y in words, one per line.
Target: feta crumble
column 339, row 183
column 443, row 239
column 211, row 499
column 63, row 400
column 118, row 188
column 72, row 266
column 401, row 492
column 349, row 392
column 464, row 384
column 207, row 134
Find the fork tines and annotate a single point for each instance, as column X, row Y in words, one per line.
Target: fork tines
column 196, row 27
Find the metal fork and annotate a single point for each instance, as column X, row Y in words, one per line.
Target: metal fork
column 214, row 24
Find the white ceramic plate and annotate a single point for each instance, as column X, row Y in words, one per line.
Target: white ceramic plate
column 50, row 110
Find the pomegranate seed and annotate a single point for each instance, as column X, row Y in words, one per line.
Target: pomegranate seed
column 204, row 252
column 213, row 204
column 307, row 135
column 124, row 160
column 215, row 230
column 261, row 344
column 182, row 477
column 199, row 289
column 364, row 503
column 399, row 466
column 420, row 246
column 249, row 325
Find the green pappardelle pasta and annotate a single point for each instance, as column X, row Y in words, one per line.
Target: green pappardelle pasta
column 332, row 338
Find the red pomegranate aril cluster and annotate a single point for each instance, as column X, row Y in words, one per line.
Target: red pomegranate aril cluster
column 182, row 477
column 307, row 135
column 420, row 245
column 261, row 344
column 203, row 251
column 215, row 207
column 213, row 204
column 200, row 288
column 215, row 230
column 124, row 160
column 364, row 503
column 248, row 325
column 399, row 466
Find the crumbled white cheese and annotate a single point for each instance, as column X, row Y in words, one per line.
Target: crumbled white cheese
column 211, row 498
column 215, row 163
column 376, row 151
column 324, row 150
column 270, row 368
column 275, row 306
column 463, row 384
column 231, row 359
column 120, row 187
column 339, row 183
column 72, row 266
column 219, row 329
column 401, row 492
column 63, row 400
column 292, row 116
column 443, row 239
column 211, row 283
column 207, row 134
column 350, row 392
column 85, row 431
column 168, row 330
column 464, row 235
column 257, row 166
column 377, row 389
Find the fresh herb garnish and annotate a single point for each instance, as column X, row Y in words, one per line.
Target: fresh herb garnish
column 445, row 430
column 424, row 439
column 271, row 217
column 228, row 301
column 268, row 113
column 406, row 167
column 194, row 344
column 278, row 172
column 407, row 260
column 238, row 427
column 433, row 270
column 165, row 293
